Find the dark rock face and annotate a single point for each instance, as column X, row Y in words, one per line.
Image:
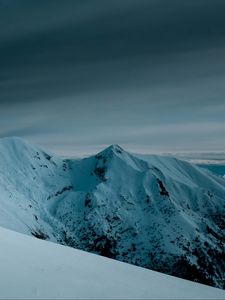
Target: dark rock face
column 163, row 191
column 39, row 234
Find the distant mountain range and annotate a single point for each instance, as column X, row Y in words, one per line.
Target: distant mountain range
column 162, row 213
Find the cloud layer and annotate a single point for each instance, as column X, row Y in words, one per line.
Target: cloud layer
column 78, row 75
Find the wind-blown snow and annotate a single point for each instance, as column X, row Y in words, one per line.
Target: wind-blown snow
column 31, row 268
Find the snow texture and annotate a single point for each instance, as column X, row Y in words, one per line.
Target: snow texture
column 35, row 269
column 161, row 213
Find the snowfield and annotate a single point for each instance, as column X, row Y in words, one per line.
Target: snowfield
column 163, row 214
column 36, row 269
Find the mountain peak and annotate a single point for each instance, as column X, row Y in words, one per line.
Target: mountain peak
column 13, row 139
column 115, row 148
column 111, row 150
column 14, row 142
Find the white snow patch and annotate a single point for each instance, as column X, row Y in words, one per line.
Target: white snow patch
column 36, row 269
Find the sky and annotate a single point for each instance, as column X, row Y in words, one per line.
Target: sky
column 149, row 75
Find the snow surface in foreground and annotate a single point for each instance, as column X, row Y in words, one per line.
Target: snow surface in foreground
column 32, row 268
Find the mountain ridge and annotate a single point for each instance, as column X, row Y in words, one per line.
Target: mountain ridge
column 164, row 214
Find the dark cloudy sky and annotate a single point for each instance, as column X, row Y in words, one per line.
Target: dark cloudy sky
column 149, row 75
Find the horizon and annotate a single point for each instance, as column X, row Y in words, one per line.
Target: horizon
column 196, row 157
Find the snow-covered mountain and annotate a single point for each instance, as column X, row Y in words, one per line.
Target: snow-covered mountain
column 163, row 214
column 35, row 269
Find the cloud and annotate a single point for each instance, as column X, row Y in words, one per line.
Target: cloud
column 128, row 72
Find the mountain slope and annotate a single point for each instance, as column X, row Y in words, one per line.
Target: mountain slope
column 34, row 269
column 164, row 214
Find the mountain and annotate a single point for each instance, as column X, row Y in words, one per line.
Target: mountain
column 217, row 168
column 163, row 214
column 35, row 269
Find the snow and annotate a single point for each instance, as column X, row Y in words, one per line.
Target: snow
column 151, row 212
column 36, row 269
